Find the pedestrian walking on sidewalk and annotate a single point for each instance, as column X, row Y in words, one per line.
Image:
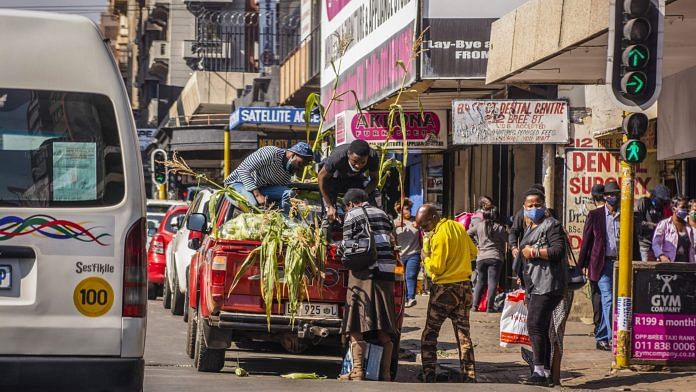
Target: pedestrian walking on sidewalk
column 491, row 239
column 650, row 211
column 692, row 213
column 675, row 239
column 370, row 297
column 600, row 327
column 598, row 254
column 545, row 273
column 448, row 261
column 409, row 240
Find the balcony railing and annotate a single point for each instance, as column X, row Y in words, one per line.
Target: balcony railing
column 197, row 120
column 301, row 66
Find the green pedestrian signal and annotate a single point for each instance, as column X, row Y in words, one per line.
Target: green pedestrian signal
column 159, row 170
column 634, row 151
column 634, row 83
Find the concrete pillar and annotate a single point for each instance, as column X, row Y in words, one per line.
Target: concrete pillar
column 548, row 169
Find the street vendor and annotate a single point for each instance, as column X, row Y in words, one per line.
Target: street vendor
column 345, row 169
column 264, row 176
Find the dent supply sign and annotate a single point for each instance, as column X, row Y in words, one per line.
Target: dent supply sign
column 510, row 122
column 270, row 116
column 664, row 313
column 424, row 131
column 457, row 36
column 377, row 34
column 590, row 161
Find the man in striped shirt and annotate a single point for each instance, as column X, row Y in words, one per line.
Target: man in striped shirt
column 263, row 177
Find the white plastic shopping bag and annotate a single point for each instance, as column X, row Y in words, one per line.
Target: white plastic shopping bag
column 513, row 321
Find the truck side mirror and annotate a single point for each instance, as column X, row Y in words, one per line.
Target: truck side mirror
column 197, row 222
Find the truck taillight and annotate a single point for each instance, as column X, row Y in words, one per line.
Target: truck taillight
column 158, row 245
column 218, row 270
column 135, row 272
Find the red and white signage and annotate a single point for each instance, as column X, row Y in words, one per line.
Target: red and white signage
column 425, row 131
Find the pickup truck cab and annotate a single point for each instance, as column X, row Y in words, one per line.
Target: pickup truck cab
column 218, row 316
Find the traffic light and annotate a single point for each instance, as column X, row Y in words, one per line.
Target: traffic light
column 634, row 70
column 159, row 171
column 634, row 126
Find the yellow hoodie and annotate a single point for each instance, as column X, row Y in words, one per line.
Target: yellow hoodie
column 451, row 253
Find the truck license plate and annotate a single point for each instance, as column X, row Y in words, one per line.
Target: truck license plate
column 315, row 310
column 5, row 277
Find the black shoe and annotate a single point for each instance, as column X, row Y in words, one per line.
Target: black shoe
column 603, row 345
column 549, row 382
column 536, row 379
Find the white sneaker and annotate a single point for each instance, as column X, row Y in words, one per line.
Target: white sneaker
column 410, row 303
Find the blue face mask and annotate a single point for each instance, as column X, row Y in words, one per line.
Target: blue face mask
column 289, row 167
column 612, row 200
column 535, row 214
column 682, row 213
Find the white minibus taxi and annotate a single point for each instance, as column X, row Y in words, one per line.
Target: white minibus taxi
column 72, row 211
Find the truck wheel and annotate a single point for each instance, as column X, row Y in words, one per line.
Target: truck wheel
column 191, row 333
column 177, row 301
column 206, row 359
column 166, row 293
column 152, row 290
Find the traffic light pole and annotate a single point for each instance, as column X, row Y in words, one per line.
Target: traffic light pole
column 226, row 152
column 624, row 304
column 162, row 190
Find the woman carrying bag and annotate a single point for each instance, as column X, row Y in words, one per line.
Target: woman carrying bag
column 368, row 253
column 545, row 275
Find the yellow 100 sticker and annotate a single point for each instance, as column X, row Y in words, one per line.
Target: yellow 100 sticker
column 93, row 297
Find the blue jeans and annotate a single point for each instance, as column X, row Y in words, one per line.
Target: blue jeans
column 278, row 194
column 605, row 283
column 412, row 268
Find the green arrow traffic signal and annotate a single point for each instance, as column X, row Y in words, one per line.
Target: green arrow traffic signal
column 634, row 83
column 633, row 151
column 636, row 57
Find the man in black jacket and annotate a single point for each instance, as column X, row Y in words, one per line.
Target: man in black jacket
column 649, row 212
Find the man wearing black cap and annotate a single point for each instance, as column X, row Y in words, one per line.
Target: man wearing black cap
column 598, row 253
column 649, row 212
column 264, row 176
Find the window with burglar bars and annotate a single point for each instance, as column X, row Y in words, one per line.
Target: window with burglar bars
column 228, row 40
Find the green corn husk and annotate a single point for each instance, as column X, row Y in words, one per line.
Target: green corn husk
column 303, row 376
column 241, row 372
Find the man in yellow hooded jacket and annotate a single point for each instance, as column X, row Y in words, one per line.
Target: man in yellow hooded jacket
column 448, row 259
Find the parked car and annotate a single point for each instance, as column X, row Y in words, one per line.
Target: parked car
column 73, row 299
column 217, row 318
column 156, row 259
column 179, row 257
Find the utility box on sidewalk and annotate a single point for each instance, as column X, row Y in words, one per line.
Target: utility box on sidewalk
column 663, row 328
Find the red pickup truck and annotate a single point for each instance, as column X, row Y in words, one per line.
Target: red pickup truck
column 217, row 319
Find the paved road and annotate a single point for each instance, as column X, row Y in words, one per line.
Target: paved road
column 168, row 368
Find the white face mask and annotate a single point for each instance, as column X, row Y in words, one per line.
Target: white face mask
column 353, row 168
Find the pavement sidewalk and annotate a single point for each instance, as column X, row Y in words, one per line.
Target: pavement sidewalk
column 584, row 367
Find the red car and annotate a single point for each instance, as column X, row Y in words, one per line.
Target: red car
column 156, row 254
column 218, row 317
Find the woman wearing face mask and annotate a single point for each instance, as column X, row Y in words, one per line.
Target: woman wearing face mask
column 408, row 238
column 692, row 213
column 674, row 238
column 490, row 238
column 543, row 248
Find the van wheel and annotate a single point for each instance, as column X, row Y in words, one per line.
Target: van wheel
column 191, row 333
column 177, row 301
column 152, row 290
column 206, row 359
column 166, row 293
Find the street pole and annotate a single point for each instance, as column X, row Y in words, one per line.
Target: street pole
column 226, row 153
column 162, row 190
column 624, row 302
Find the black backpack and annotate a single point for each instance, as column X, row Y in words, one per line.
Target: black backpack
column 358, row 254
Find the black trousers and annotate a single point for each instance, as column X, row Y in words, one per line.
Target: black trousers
column 596, row 307
column 488, row 271
column 539, row 313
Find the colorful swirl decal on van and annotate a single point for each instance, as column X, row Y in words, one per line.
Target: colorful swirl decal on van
column 48, row 226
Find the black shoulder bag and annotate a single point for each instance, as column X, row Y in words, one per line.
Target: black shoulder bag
column 360, row 253
column 576, row 279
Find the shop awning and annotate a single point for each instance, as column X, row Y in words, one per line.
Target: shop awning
column 565, row 42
